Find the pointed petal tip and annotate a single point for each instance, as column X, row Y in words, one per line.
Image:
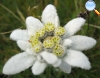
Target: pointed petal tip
column 12, row 35
column 87, row 68
column 5, row 72
column 95, row 42
column 29, row 18
column 50, row 5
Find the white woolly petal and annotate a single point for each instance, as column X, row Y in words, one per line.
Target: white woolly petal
column 77, row 59
column 23, row 45
column 82, row 42
column 30, row 51
column 50, row 15
column 73, row 26
column 65, row 67
column 33, row 25
column 50, row 58
column 38, row 67
column 67, row 42
column 19, row 35
column 57, row 63
column 18, row 63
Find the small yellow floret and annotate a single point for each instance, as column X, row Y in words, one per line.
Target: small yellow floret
column 56, row 39
column 37, row 48
column 40, row 33
column 48, row 43
column 58, row 50
column 49, row 27
column 34, row 40
column 59, row 31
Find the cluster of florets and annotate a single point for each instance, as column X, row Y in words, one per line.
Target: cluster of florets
column 48, row 38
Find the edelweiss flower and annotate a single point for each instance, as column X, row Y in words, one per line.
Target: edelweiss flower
column 49, row 43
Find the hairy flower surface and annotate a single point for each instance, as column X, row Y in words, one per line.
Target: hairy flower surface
column 49, row 43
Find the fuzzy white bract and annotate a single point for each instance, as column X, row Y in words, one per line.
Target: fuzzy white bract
column 49, row 43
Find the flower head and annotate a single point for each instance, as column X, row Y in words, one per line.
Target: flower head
column 49, row 43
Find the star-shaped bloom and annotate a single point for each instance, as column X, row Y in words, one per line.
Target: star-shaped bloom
column 48, row 43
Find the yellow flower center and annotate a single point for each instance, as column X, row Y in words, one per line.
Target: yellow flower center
column 48, row 37
column 48, row 43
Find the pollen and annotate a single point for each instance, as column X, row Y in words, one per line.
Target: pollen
column 37, row 48
column 48, row 43
column 56, row 39
column 48, row 38
column 59, row 31
column 49, row 27
column 58, row 50
column 34, row 40
column 40, row 33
